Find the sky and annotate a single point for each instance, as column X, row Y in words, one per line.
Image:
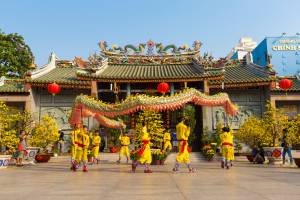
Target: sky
column 73, row 28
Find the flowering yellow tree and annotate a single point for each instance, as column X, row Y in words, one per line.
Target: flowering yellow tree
column 252, row 132
column 293, row 131
column 44, row 133
column 9, row 119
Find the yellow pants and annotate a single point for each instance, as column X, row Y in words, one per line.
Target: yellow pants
column 183, row 157
column 167, row 146
column 81, row 155
column 146, row 158
column 95, row 151
column 124, row 151
column 73, row 152
column 228, row 152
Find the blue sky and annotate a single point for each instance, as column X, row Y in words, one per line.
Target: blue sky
column 73, row 28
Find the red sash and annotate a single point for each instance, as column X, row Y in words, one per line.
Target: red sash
column 184, row 143
column 141, row 150
column 227, row 143
column 80, row 145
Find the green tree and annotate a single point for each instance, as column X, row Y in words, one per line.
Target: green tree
column 15, row 55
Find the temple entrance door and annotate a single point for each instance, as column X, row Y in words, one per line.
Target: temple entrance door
column 198, row 130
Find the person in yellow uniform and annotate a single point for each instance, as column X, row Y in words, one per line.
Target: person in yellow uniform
column 144, row 152
column 182, row 135
column 227, row 147
column 74, row 134
column 124, row 150
column 83, row 142
column 167, row 141
column 96, row 141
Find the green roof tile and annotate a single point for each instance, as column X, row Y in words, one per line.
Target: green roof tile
column 12, row 87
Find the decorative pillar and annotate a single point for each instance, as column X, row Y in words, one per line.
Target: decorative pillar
column 207, row 111
column 185, row 85
column 94, row 89
column 128, row 89
column 172, row 90
column 205, row 87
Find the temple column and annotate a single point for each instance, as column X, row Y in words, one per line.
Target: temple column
column 206, row 110
column 94, row 89
column 172, row 90
column 128, row 89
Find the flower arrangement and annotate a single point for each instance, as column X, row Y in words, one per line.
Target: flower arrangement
column 134, row 155
column 208, row 152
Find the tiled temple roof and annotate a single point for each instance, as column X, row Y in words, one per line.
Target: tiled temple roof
column 61, row 75
column 151, row 72
column 12, row 87
column 238, row 75
column 294, row 88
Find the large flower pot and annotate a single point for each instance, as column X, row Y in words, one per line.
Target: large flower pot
column 274, row 154
column 297, row 161
column 42, row 157
column 250, row 158
column 4, row 161
column 113, row 149
column 31, row 153
column 155, row 162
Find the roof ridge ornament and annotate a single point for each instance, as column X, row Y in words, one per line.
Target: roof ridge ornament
column 2, row 80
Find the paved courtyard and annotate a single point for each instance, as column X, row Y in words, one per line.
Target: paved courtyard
column 107, row 180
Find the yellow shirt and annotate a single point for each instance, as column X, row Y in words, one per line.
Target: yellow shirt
column 83, row 139
column 182, row 131
column 226, row 137
column 167, row 137
column 125, row 140
column 96, row 140
column 145, row 134
column 74, row 136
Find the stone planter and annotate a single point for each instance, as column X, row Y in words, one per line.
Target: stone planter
column 4, row 161
column 274, row 154
column 297, row 161
column 42, row 157
column 31, row 153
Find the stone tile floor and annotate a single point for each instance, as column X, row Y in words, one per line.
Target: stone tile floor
column 107, row 180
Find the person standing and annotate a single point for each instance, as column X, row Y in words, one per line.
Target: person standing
column 227, row 147
column 124, row 150
column 74, row 134
column 286, row 147
column 21, row 149
column 167, row 141
column 144, row 152
column 182, row 135
column 96, row 141
column 82, row 142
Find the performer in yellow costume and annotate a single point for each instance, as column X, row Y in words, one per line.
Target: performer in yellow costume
column 144, row 152
column 74, row 134
column 82, row 142
column 167, row 141
column 227, row 147
column 182, row 135
column 96, row 141
column 124, row 150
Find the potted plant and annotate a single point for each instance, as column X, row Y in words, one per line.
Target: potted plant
column 293, row 135
column 90, row 156
column 208, row 152
column 251, row 133
column 43, row 136
column 156, row 157
column 134, row 157
column 238, row 147
column 163, row 157
column 274, row 121
column 8, row 133
column 114, row 138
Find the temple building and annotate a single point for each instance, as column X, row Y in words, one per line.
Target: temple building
column 117, row 73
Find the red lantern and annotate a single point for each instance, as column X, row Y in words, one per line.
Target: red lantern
column 285, row 84
column 53, row 88
column 163, row 87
